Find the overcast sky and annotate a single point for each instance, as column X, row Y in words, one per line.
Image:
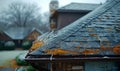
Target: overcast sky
column 44, row 4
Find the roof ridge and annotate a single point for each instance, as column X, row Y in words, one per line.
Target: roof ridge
column 36, row 30
column 83, row 3
column 64, row 7
column 80, row 22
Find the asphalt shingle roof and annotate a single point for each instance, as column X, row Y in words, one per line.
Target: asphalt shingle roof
column 79, row 6
column 19, row 32
column 92, row 31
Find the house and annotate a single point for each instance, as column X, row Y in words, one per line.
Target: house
column 91, row 43
column 34, row 34
column 20, row 34
column 71, row 12
column 61, row 17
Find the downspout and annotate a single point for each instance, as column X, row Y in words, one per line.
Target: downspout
column 51, row 58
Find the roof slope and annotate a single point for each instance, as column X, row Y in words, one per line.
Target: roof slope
column 3, row 36
column 94, row 30
column 79, row 6
column 19, row 32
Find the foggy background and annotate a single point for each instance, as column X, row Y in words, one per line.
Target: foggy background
column 44, row 4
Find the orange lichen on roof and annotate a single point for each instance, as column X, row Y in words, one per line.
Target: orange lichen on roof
column 61, row 52
column 102, row 48
column 93, row 35
column 105, row 48
column 78, row 47
column 90, row 51
column 116, row 49
column 36, row 44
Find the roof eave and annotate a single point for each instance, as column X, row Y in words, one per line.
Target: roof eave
column 73, row 57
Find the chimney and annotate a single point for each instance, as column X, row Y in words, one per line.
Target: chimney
column 53, row 6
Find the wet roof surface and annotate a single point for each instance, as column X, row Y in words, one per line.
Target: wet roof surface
column 80, row 6
column 92, row 31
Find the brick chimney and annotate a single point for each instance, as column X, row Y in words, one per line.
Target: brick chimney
column 53, row 6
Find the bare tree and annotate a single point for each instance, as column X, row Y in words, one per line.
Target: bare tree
column 45, row 22
column 21, row 14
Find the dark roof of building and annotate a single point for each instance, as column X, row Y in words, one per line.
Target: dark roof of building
column 35, row 29
column 79, row 7
column 19, row 32
column 96, row 29
column 3, row 36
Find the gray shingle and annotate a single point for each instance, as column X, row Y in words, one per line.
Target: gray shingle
column 79, row 6
column 104, row 34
